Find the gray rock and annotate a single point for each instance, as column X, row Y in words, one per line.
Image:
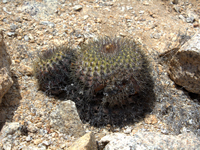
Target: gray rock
column 66, row 120
column 4, row 9
column 86, row 142
column 184, row 68
column 149, row 141
column 26, row 38
column 5, row 82
column 182, row 18
column 4, row 1
column 11, row 34
column 28, row 138
column 192, row 16
column 155, row 35
column 5, row 75
column 177, row 8
column 13, row 27
column 47, row 23
column 9, row 128
column 190, row 19
column 77, row 7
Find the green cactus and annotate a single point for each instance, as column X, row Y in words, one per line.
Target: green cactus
column 52, row 70
column 112, row 67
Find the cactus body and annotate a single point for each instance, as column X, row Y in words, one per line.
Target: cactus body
column 114, row 67
column 52, row 70
column 110, row 68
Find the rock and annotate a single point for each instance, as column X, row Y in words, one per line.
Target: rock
column 50, row 24
column 149, row 140
column 11, row 34
column 5, row 82
column 5, row 75
column 77, row 7
column 190, row 19
column 4, row 9
column 13, row 27
column 177, row 9
column 151, row 119
column 184, row 68
column 128, row 130
column 65, row 119
column 9, row 129
column 26, row 38
column 182, row 18
column 175, row 1
column 86, row 142
column 85, row 17
column 4, row 1
column 191, row 16
column 155, row 35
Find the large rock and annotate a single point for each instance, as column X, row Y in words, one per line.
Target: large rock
column 184, row 68
column 9, row 129
column 86, row 142
column 5, row 75
column 149, row 140
column 66, row 120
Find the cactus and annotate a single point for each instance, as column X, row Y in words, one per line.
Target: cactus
column 108, row 78
column 52, row 70
column 112, row 67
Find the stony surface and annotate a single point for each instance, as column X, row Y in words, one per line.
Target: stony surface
column 149, row 140
column 86, row 142
column 5, row 75
column 66, row 120
column 184, row 67
column 5, row 82
column 34, row 26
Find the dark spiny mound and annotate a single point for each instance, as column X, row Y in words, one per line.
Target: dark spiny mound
column 52, row 70
column 115, row 68
column 109, row 79
column 114, row 82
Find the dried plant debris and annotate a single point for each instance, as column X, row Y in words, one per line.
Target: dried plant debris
column 108, row 78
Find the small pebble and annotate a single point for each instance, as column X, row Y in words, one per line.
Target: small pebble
column 11, row 34
column 4, row 1
column 190, row 19
column 77, row 7
column 4, row 9
column 13, row 27
column 26, row 38
column 28, row 138
column 141, row 12
column 85, row 17
column 47, row 143
column 47, row 23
